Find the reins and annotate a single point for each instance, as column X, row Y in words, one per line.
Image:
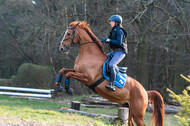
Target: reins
column 87, row 43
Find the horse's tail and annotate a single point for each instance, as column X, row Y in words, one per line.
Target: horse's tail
column 158, row 107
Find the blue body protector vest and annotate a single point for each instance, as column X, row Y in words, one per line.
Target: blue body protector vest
column 113, row 36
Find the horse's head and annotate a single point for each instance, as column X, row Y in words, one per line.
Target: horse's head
column 78, row 33
column 70, row 38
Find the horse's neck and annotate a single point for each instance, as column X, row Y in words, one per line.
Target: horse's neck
column 90, row 49
column 90, row 59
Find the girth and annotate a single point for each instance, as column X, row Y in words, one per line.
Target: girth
column 93, row 86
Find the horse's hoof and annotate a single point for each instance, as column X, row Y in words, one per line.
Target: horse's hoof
column 69, row 91
column 60, row 89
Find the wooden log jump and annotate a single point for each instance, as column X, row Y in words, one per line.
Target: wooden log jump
column 122, row 118
column 75, row 105
column 93, row 115
column 123, row 113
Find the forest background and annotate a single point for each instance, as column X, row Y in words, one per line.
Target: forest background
column 158, row 39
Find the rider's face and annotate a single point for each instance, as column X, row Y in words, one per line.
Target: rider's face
column 112, row 23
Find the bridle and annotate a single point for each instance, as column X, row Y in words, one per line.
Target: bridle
column 72, row 38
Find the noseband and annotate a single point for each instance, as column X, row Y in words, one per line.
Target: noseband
column 72, row 38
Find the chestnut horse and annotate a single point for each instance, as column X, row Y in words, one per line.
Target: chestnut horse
column 88, row 69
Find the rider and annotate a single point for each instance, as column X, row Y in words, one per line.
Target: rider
column 118, row 45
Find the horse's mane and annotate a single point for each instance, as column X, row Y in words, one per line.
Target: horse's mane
column 85, row 26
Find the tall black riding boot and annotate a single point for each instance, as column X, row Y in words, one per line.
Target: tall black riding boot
column 112, row 79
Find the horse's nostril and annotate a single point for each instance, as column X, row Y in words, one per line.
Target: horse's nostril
column 61, row 49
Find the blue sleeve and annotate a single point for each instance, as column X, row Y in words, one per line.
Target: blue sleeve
column 119, row 40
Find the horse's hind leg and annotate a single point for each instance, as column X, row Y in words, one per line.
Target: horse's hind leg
column 138, row 113
column 139, row 121
column 130, row 119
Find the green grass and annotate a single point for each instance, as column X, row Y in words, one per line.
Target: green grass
column 169, row 120
column 34, row 112
column 18, row 110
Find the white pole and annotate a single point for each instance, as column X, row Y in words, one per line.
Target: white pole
column 27, row 94
column 26, row 89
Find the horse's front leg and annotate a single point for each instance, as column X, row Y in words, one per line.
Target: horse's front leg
column 82, row 77
column 59, row 78
column 65, row 71
column 60, row 75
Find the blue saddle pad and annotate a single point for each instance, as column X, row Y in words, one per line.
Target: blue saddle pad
column 121, row 76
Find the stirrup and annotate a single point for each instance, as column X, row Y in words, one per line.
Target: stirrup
column 110, row 87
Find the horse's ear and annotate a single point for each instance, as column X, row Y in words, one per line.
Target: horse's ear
column 77, row 24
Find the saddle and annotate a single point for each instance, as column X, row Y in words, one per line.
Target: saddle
column 121, row 76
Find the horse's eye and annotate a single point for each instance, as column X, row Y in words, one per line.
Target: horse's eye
column 68, row 34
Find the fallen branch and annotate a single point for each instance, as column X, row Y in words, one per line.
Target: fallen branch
column 111, row 118
column 99, row 106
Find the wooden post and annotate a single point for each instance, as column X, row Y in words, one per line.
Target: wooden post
column 75, row 105
column 123, row 113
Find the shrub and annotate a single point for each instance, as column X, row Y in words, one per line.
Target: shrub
column 184, row 100
column 5, row 82
column 33, row 76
